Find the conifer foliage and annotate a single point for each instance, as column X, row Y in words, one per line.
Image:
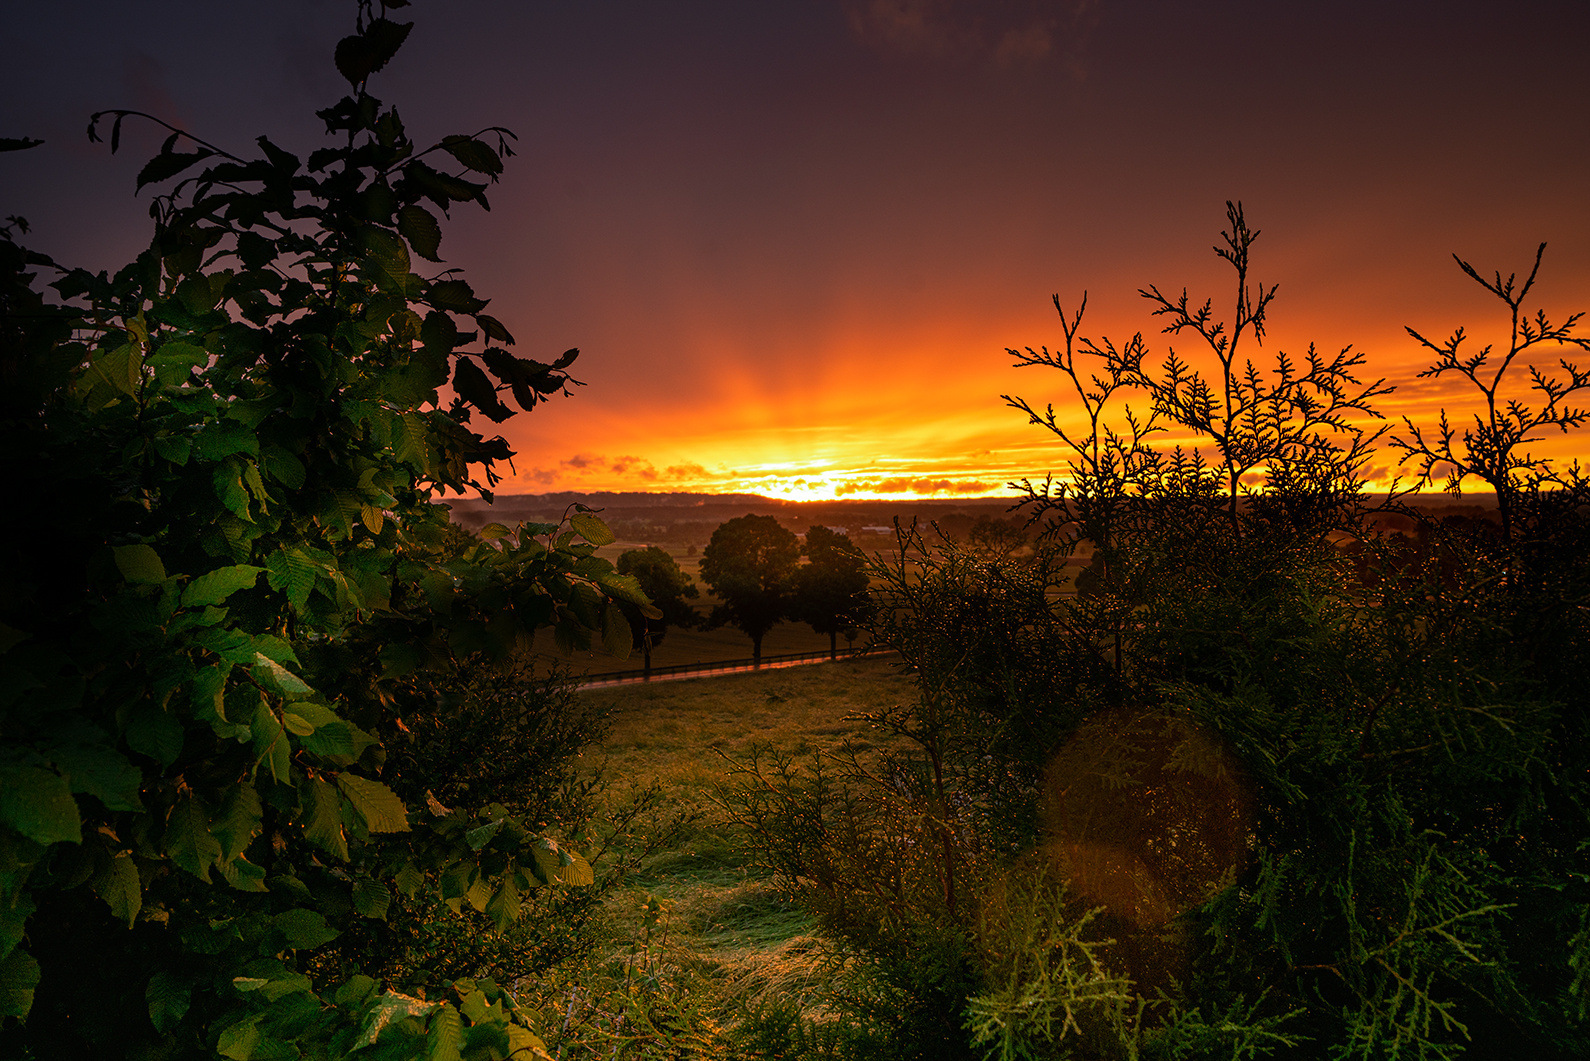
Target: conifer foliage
column 236, row 579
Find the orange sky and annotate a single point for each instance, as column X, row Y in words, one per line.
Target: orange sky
column 794, row 238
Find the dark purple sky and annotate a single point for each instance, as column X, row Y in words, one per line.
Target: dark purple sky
column 794, row 239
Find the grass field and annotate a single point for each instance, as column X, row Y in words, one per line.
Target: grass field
column 697, row 914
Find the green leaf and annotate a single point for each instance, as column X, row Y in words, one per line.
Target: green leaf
column 388, row 251
column 178, row 354
column 19, row 975
column 389, row 1007
column 168, row 999
column 446, row 1036
column 616, row 635
column 119, row 886
column 371, row 898
column 237, row 1041
column 292, row 572
column 323, row 819
column 590, row 527
column 38, row 804
column 140, row 564
column 480, row 836
column 188, row 841
column 154, row 732
column 102, row 772
column 379, row 806
column 422, row 230
column 270, row 742
column 304, row 929
column 503, row 908
column 278, row 678
column 238, row 821
column 213, row 587
column 285, row 468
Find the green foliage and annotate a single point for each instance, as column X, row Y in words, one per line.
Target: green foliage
column 669, row 590
column 748, row 566
column 238, row 584
column 1313, row 791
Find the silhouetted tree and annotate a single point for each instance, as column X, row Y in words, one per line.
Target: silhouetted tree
column 748, row 565
column 668, row 587
column 830, row 592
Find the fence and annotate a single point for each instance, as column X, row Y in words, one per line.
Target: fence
column 728, row 666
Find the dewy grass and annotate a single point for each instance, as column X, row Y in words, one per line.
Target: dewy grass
column 694, row 913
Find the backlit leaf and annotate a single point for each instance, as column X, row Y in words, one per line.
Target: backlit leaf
column 382, row 810
column 446, row 1035
column 140, row 564
column 213, row 587
column 119, row 886
column 323, row 819
column 590, row 527
column 371, row 898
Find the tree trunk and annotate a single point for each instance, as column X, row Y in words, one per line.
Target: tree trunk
column 756, row 651
column 833, row 644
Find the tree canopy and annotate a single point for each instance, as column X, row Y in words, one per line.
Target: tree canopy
column 748, row 565
column 830, row 591
column 669, row 589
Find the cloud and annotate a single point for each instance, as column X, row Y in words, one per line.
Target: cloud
column 584, row 460
column 907, row 485
column 639, row 465
column 688, row 470
column 1004, row 32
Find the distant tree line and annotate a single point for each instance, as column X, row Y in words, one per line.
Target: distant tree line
column 753, row 566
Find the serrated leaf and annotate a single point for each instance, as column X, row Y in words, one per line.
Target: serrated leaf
column 475, row 387
column 481, row 835
column 213, row 587
column 278, row 678
column 119, row 886
column 270, row 742
column 378, row 805
column 446, row 1036
column 238, row 821
column 576, row 871
column 617, row 637
column 178, row 354
column 168, row 999
column 102, row 772
column 139, row 564
column 456, row 296
column 590, row 527
column 503, row 908
column 422, row 230
column 292, row 572
column 473, row 154
column 371, row 898
column 154, row 732
column 38, row 804
column 389, row 1006
column 285, row 468
column 323, row 819
column 188, row 841
column 304, row 929
column 168, row 164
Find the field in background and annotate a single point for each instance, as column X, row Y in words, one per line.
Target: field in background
column 717, row 924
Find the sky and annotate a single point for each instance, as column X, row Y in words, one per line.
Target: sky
column 794, row 239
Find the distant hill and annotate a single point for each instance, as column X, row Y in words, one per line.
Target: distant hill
column 690, row 519
column 686, row 519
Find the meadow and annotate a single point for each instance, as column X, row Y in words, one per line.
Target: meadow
column 699, row 925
